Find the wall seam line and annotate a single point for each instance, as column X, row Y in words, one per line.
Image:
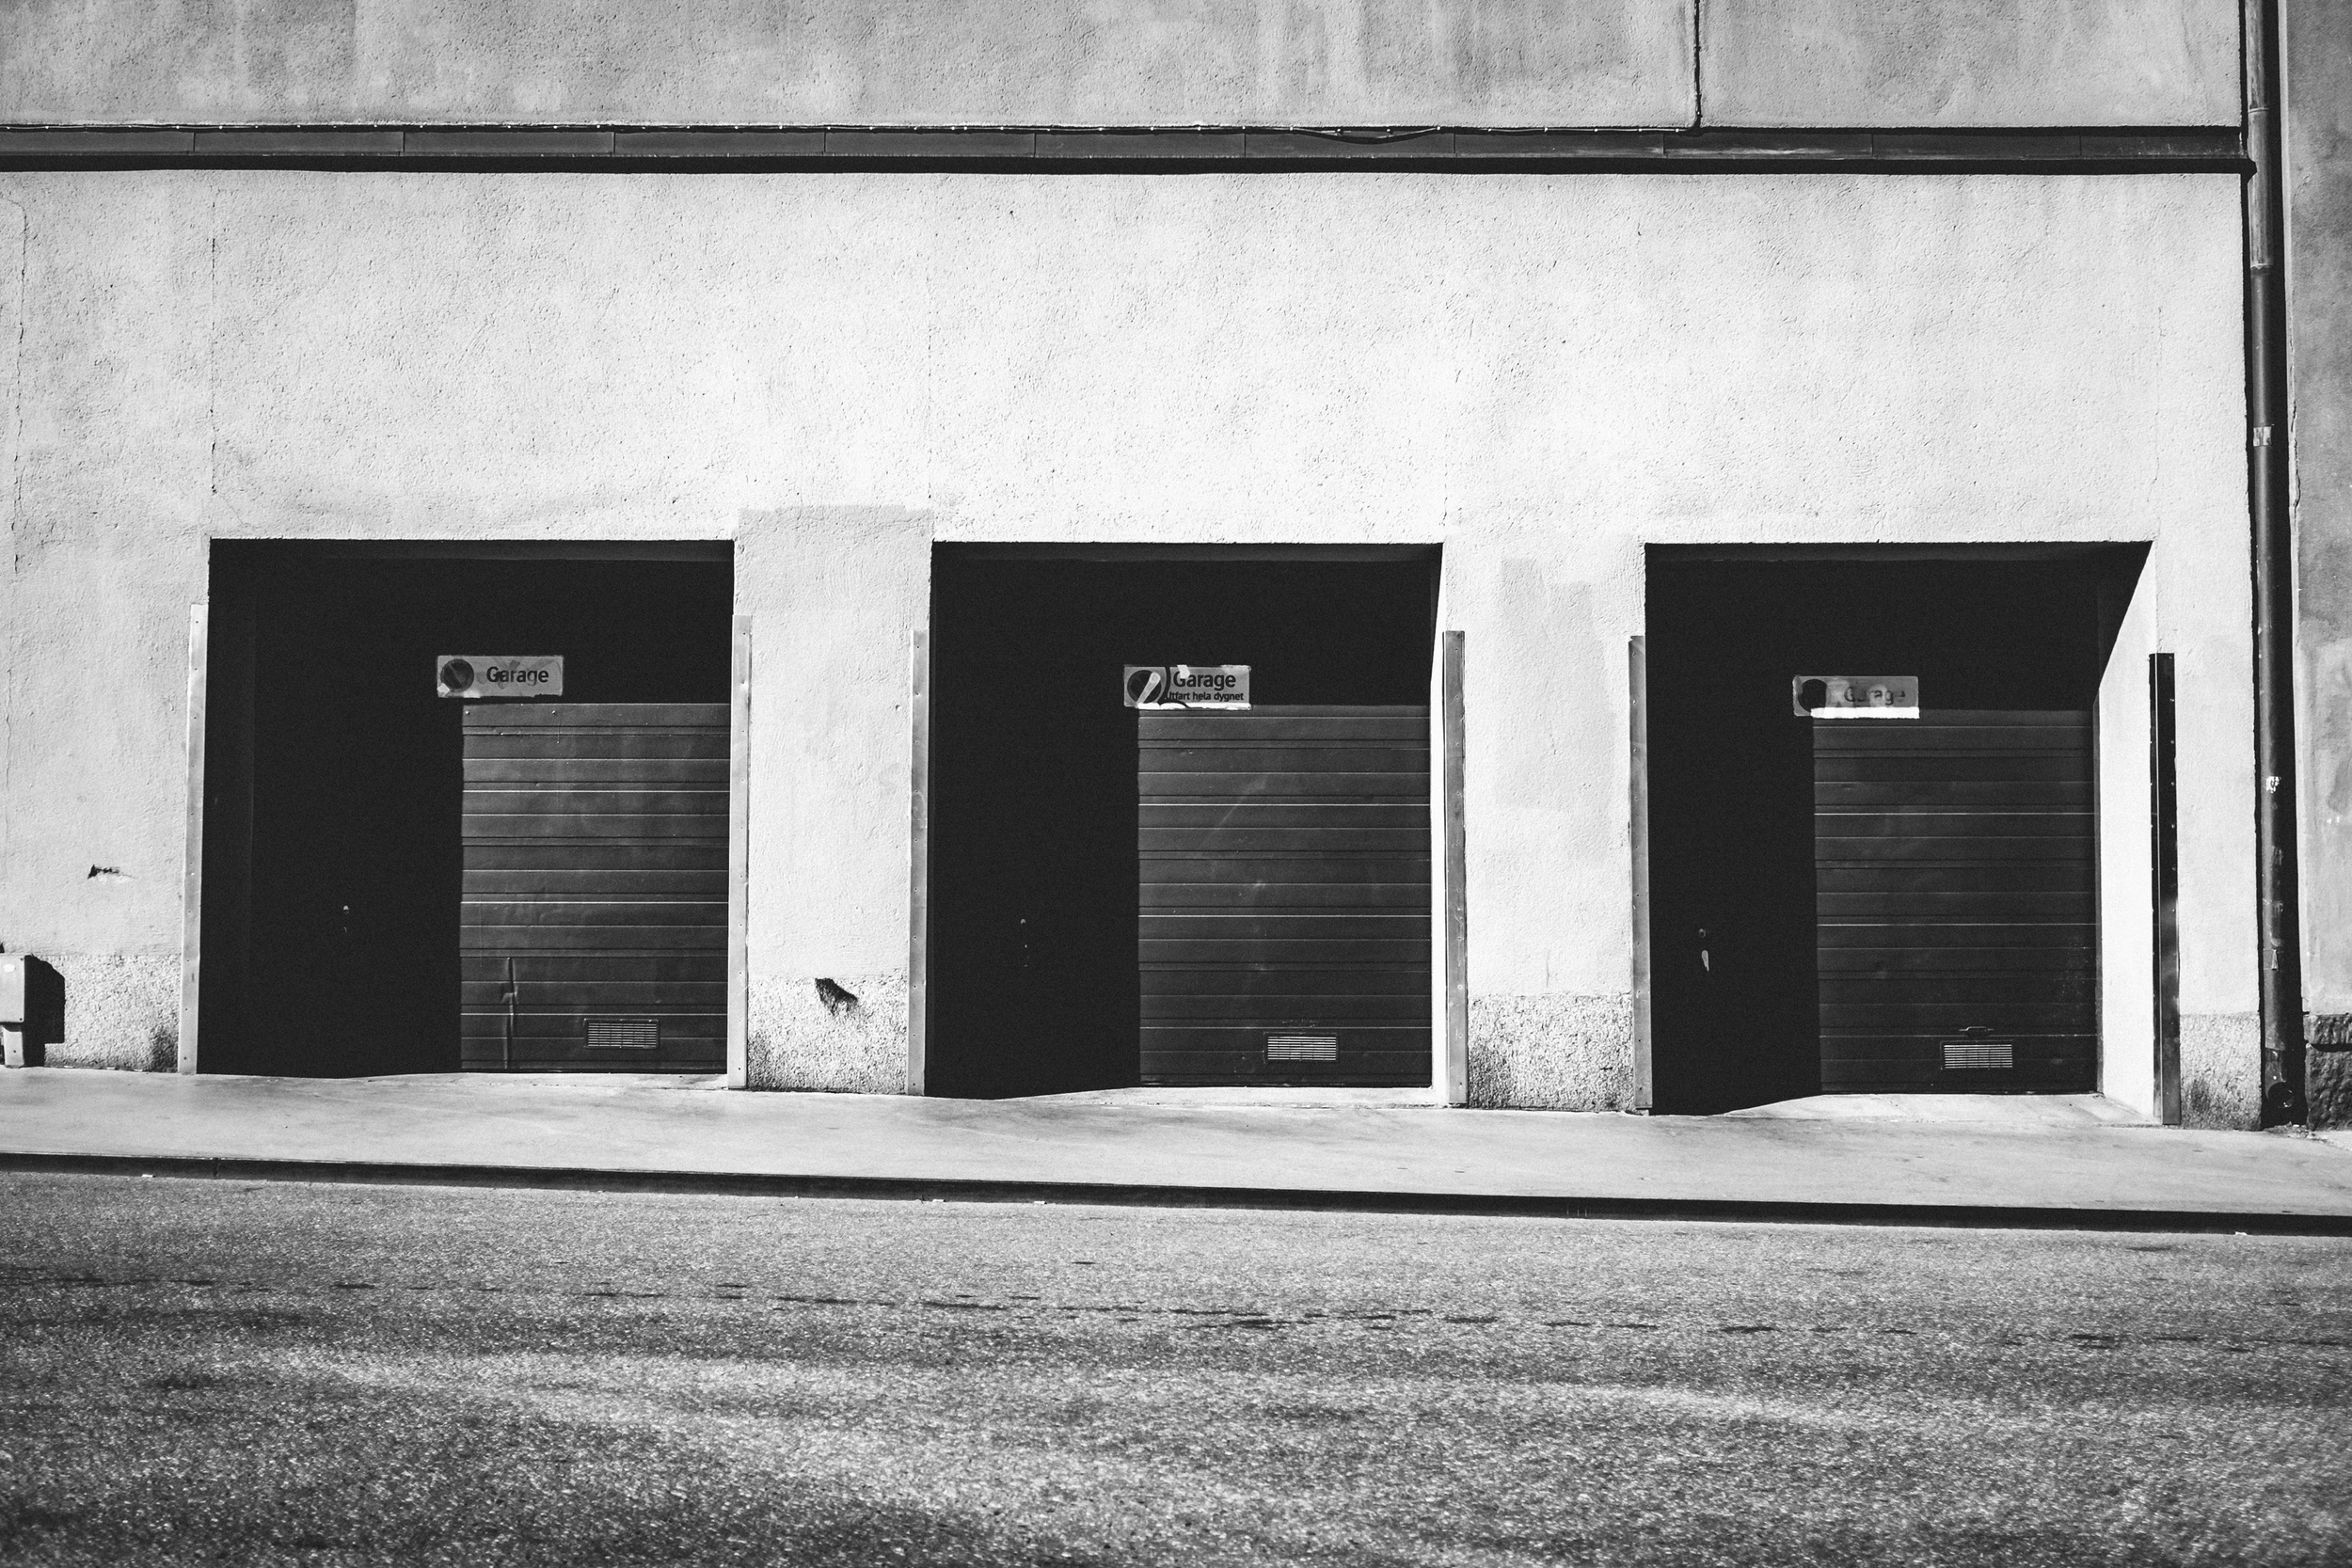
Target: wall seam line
column 16, row 381
column 212, row 353
column 16, row 510
column 1698, row 63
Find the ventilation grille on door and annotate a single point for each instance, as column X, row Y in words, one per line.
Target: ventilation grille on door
column 1978, row 1055
column 624, row 1033
column 1302, row 1047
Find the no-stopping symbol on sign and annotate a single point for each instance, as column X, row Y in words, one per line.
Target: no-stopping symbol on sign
column 1187, row 686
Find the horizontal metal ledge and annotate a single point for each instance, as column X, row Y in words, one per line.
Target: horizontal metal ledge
column 790, row 147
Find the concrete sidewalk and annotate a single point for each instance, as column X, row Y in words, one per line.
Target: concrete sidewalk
column 1967, row 1160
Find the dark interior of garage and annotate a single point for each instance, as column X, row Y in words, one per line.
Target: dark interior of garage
column 1735, row 989
column 333, row 783
column 1033, row 877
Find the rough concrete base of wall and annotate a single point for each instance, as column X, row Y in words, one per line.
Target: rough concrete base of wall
column 2328, row 1031
column 121, row 1011
column 1551, row 1052
column 2222, row 1055
column 845, row 1032
column 2328, row 1088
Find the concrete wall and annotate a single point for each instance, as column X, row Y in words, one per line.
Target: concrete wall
column 2319, row 292
column 1129, row 62
column 1969, row 62
column 836, row 593
column 2192, row 601
column 1543, row 373
column 938, row 62
column 105, row 507
column 2127, row 1001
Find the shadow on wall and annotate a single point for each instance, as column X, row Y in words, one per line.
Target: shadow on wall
column 1551, row 1052
column 2220, row 1071
column 35, row 1015
column 103, row 1010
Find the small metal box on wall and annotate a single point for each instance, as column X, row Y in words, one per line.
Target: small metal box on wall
column 1284, row 886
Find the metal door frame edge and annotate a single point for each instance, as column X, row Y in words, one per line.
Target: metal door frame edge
column 1637, row 837
column 740, row 855
column 918, row 857
column 1449, row 1075
column 192, row 849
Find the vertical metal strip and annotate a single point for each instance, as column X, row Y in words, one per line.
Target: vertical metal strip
column 2164, row 886
column 2278, row 955
column 192, row 852
column 1637, row 834
column 919, row 861
column 740, row 859
column 1455, row 1046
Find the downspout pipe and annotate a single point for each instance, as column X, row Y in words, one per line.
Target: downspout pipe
column 2267, row 456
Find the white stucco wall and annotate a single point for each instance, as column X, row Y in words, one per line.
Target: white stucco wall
column 926, row 62
column 2318, row 108
column 1542, row 373
column 1970, row 62
column 1133, row 62
column 2194, row 600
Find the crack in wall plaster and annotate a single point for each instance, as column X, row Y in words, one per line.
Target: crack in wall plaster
column 16, row 503
column 16, row 373
column 212, row 353
column 1698, row 63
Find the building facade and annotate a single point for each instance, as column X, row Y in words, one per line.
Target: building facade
column 2318, row 71
column 853, row 394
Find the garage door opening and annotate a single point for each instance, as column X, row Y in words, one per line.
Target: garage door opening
column 1873, row 823
column 1120, row 895
column 399, row 878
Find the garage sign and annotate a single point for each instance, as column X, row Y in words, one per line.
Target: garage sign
column 479, row 675
column 1187, row 686
column 1855, row 696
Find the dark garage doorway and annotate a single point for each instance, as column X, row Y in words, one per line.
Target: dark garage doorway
column 334, row 789
column 1833, row 904
column 1032, row 950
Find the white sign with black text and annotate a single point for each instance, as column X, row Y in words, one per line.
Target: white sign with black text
column 1187, row 686
column 477, row 675
column 1855, row 696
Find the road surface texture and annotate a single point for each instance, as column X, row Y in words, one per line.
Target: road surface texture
column 252, row 1374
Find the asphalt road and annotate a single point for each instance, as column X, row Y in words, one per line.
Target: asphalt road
column 196, row 1371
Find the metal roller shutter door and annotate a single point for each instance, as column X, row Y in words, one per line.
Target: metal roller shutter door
column 1283, row 858
column 593, row 931
column 1954, row 866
